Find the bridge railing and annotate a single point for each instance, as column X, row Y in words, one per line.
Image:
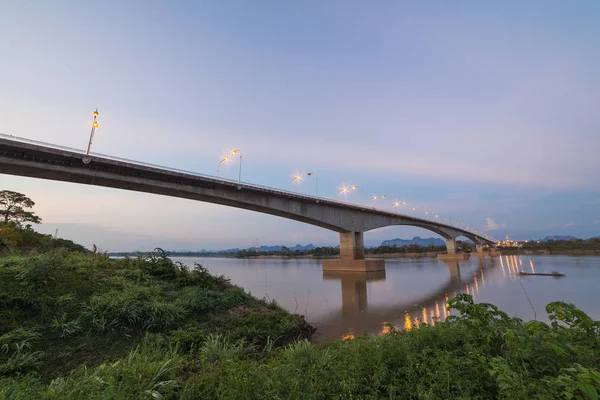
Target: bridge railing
column 231, row 182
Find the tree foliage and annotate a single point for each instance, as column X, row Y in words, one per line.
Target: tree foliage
column 13, row 207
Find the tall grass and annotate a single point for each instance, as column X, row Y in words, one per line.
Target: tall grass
column 482, row 354
column 89, row 308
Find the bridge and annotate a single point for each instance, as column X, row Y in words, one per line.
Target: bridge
column 24, row 157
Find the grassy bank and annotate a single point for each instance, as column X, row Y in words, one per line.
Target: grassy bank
column 483, row 354
column 83, row 326
column 63, row 309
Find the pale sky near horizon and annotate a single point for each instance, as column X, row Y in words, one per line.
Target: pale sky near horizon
column 483, row 111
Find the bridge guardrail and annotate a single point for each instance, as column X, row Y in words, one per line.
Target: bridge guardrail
column 229, row 181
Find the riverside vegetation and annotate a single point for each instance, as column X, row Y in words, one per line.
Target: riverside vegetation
column 80, row 325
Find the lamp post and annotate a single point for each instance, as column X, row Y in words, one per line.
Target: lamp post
column 317, row 179
column 354, row 189
column 297, row 177
column 383, row 196
column 397, row 204
column 94, row 126
column 225, row 159
column 236, row 152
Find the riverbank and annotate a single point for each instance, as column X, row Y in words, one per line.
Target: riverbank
column 387, row 255
column 550, row 252
column 482, row 354
column 310, row 256
column 64, row 309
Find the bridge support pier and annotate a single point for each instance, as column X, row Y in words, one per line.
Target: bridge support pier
column 479, row 251
column 352, row 255
column 451, row 252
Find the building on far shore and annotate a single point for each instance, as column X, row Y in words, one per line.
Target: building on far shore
column 509, row 243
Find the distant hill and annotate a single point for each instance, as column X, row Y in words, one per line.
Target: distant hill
column 268, row 249
column 261, row 249
column 416, row 240
column 556, row 237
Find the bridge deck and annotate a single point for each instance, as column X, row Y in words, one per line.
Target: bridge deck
column 26, row 157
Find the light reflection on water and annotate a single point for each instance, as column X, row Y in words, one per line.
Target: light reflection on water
column 410, row 291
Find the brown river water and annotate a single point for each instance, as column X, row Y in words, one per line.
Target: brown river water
column 411, row 290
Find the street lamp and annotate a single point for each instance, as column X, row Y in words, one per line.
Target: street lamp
column 317, row 178
column 400, row 203
column 234, row 153
column 344, row 190
column 94, row 127
column 383, row 196
column 297, row 177
column 224, row 160
column 354, row 189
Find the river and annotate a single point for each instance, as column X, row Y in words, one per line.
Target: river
column 411, row 290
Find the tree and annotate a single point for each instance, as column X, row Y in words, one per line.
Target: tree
column 13, row 205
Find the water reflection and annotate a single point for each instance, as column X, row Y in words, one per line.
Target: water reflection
column 411, row 291
column 430, row 311
column 354, row 297
column 355, row 315
column 354, row 288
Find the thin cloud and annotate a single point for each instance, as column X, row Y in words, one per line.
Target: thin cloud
column 491, row 225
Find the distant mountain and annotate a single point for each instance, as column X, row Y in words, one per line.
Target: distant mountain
column 416, row 240
column 269, row 249
column 556, row 237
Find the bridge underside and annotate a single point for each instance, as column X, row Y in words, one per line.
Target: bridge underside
column 351, row 221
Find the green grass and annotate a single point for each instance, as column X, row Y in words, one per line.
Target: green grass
column 77, row 326
column 62, row 309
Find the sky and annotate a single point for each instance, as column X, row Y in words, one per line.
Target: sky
column 486, row 112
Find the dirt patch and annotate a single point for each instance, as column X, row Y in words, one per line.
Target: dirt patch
column 240, row 309
column 243, row 309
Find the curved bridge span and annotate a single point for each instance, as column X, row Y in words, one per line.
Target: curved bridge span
column 29, row 158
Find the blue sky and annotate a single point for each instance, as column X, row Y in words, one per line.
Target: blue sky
column 486, row 112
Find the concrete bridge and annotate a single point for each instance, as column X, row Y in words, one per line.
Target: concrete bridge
column 34, row 159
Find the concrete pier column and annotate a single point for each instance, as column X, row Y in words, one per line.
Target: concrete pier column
column 352, row 246
column 352, row 255
column 479, row 248
column 451, row 246
column 451, row 253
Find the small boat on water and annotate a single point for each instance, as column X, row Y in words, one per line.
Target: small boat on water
column 553, row 273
